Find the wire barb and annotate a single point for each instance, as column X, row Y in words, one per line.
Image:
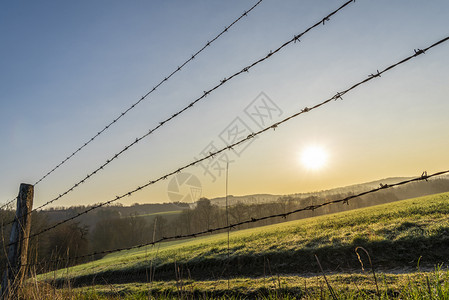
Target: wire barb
column 375, row 75
column 424, row 176
column 338, row 96
column 419, row 52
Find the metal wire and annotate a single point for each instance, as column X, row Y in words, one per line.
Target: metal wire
column 249, row 137
column 424, row 177
column 8, row 203
column 179, row 68
column 205, row 93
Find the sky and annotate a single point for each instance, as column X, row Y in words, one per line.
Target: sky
column 68, row 68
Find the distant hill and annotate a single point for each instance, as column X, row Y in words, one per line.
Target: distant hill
column 248, row 199
column 355, row 188
column 267, row 198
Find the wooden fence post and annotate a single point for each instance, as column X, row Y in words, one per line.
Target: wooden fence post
column 18, row 250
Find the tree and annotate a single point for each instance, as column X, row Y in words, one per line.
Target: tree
column 204, row 212
column 65, row 242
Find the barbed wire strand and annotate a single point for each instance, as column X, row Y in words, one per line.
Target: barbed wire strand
column 178, row 69
column 424, row 177
column 161, row 124
column 8, row 203
column 249, row 137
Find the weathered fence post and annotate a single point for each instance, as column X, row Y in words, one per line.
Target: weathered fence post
column 18, row 249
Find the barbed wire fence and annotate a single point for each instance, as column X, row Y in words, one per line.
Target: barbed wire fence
column 337, row 96
column 144, row 97
column 246, row 69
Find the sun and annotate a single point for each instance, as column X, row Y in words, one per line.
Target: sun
column 314, row 157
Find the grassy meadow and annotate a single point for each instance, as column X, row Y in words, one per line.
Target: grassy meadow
column 415, row 285
column 168, row 215
column 398, row 236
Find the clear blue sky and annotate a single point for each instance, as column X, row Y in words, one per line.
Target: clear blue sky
column 67, row 68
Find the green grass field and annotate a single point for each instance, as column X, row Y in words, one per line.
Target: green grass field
column 396, row 235
column 163, row 214
column 416, row 285
column 167, row 215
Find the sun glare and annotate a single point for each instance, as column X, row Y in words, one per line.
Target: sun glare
column 314, row 157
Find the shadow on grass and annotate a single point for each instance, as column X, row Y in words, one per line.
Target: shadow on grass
column 386, row 255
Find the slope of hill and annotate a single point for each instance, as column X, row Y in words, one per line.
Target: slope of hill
column 396, row 235
column 354, row 189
